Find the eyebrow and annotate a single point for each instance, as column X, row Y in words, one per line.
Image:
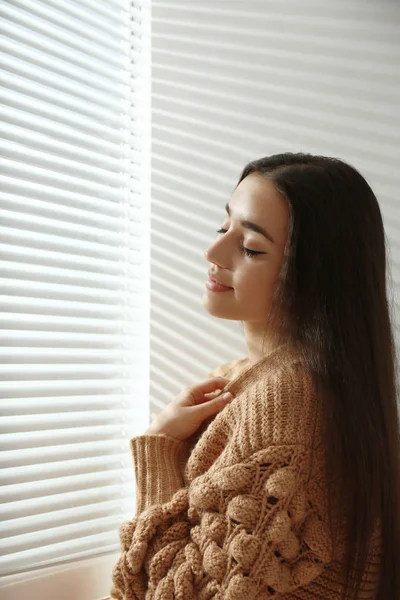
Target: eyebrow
column 252, row 226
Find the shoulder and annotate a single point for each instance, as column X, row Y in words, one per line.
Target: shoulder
column 228, row 368
column 290, row 378
column 284, row 379
column 278, row 406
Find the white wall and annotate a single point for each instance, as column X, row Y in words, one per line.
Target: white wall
column 234, row 81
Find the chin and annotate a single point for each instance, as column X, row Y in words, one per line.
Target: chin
column 216, row 308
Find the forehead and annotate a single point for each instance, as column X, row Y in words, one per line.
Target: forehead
column 255, row 191
column 257, row 199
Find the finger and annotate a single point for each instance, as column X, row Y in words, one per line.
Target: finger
column 197, row 392
column 209, row 385
column 207, row 409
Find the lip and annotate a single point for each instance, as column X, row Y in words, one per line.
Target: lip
column 212, row 277
column 216, row 286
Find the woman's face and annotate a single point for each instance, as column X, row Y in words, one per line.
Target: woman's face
column 252, row 278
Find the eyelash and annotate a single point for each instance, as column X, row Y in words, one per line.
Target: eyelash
column 251, row 253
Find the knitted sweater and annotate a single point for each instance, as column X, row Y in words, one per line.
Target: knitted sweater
column 238, row 511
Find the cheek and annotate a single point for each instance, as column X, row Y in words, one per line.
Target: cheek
column 256, row 281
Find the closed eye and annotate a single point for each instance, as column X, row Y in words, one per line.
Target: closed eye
column 245, row 250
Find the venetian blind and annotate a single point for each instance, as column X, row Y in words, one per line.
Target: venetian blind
column 74, row 241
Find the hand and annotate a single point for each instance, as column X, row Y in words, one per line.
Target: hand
column 184, row 415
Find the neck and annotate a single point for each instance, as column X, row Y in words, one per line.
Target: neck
column 258, row 343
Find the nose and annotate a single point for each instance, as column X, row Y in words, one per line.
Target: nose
column 214, row 260
column 219, row 252
column 208, row 257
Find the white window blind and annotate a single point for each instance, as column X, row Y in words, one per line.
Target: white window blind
column 74, row 245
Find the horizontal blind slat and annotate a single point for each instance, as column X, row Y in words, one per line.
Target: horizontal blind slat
column 64, row 132
column 49, row 422
column 98, row 234
column 21, row 18
column 59, row 485
column 56, row 147
column 68, row 203
column 32, row 8
column 72, row 340
column 52, row 508
column 74, row 549
column 38, row 539
column 52, row 47
column 37, row 439
column 61, row 260
column 113, row 10
column 23, row 389
column 95, row 19
column 62, row 308
column 65, row 212
column 13, row 170
column 61, row 100
column 67, row 116
column 44, row 273
column 65, row 308
column 47, row 522
column 28, row 72
column 56, row 66
column 47, row 505
column 52, row 470
column 32, row 456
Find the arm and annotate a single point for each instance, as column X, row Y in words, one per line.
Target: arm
column 243, row 525
column 159, row 460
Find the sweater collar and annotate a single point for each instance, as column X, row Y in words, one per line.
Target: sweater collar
column 253, row 369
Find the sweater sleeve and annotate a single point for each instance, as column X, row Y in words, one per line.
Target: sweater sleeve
column 246, row 526
column 159, row 460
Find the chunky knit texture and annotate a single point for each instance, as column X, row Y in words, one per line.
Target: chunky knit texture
column 238, row 511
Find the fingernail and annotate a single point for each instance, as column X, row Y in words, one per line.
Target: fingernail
column 227, row 396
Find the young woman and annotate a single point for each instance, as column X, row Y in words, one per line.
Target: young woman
column 291, row 487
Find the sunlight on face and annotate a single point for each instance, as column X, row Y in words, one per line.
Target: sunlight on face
column 252, row 277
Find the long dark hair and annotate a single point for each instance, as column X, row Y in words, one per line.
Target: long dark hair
column 331, row 301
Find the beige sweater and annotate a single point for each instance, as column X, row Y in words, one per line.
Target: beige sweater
column 237, row 512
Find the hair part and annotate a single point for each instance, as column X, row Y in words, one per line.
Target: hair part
column 330, row 301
